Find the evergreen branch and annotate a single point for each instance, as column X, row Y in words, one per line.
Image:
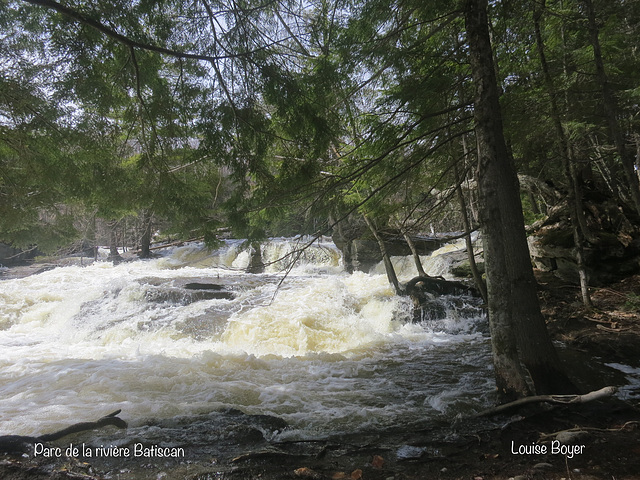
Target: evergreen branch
column 136, row 68
column 109, row 32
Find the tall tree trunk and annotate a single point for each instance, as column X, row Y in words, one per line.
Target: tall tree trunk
column 574, row 198
column 627, row 157
column 518, row 330
column 388, row 266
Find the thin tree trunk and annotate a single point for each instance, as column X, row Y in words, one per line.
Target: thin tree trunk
column 477, row 278
column 574, row 199
column 611, row 109
column 517, row 326
column 604, row 168
column 114, row 255
column 145, row 239
column 388, row 266
column 345, row 243
column 416, row 256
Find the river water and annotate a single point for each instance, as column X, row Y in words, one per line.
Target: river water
column 326, row 351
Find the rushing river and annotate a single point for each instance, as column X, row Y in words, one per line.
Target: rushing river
column 325, row 351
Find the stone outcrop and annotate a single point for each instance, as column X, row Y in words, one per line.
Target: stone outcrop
column 612, row 250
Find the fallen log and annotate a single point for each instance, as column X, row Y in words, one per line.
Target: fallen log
column 23, row 444
column 557, row 399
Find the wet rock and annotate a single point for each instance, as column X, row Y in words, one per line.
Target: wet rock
column 463, row 270
column 410, row 452
column 185, row 296
column 438, row 286
column 266, row 423
column 203, row 286
column 435, row 308
column 206, row 326
column 16, row 444
column 243, row 434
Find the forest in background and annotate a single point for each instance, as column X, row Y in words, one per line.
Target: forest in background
column 276, row 118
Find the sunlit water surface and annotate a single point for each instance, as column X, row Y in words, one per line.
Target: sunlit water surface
column 331, row 352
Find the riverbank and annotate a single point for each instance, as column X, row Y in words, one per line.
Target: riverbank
column 605, row 443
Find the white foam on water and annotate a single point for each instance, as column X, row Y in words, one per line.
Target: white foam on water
column 330, row 352
column 437, row 264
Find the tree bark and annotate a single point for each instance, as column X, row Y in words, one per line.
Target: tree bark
column 388, row 266
column 518, row 330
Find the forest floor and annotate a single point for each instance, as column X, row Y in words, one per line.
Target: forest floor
column 604, row 443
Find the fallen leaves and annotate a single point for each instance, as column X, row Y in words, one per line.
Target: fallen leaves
column 305, row 472
column 377, row 462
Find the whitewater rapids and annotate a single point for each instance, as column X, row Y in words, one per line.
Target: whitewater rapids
column 326, row 351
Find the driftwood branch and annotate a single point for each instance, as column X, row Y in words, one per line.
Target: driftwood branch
column 557, row 399
column 110, row 419
column 24, row 444
column 627, row 425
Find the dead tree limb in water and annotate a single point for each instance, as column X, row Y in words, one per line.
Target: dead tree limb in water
column 24, row 444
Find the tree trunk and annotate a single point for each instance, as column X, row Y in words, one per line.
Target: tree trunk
column 114, row 256
column 574, row 199
column 388, row 266
column 477, row 278
column 416, row 256
column 256, row 265
column 518, row 330
column 145, row 239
